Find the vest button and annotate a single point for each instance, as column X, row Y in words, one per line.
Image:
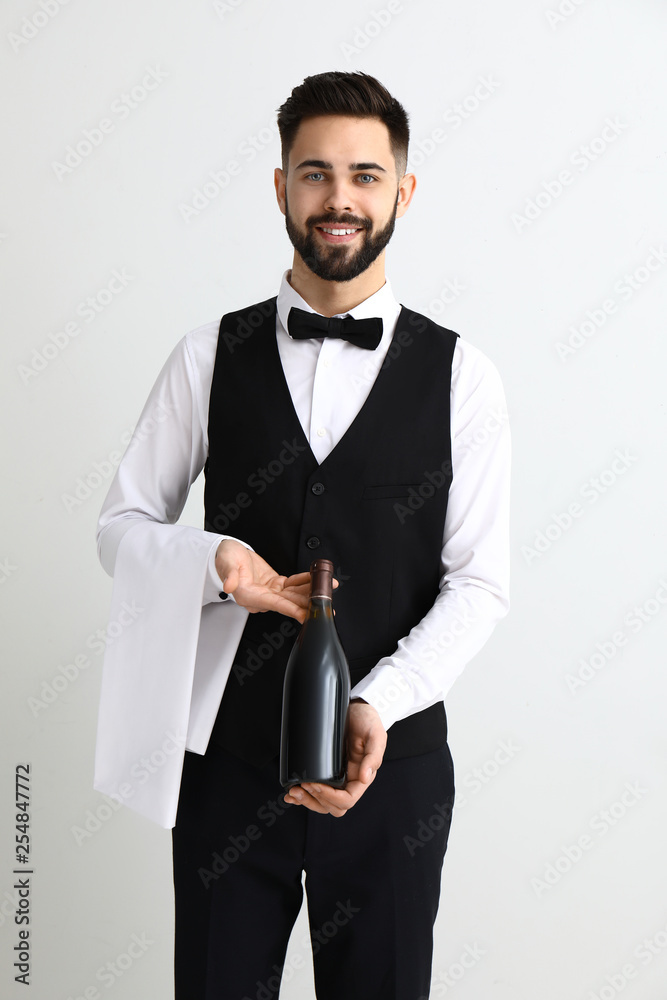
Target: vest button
column 313, row 542
column 317, row 489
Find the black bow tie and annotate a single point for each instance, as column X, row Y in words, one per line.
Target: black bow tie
column 303, row 325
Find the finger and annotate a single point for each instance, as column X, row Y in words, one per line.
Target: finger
column 305, row 794
column 321, row 806
column 283, row 607
column 345, row 798
column 282, row 584
column 303, row 579
column 341, row 798
column 311, row 802
column 296, row 596
column 297, row 580
column 336, row 800
column 260, row 599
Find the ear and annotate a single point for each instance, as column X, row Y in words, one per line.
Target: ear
column 406, row 189
column 280, row 181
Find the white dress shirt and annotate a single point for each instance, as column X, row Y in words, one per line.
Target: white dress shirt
column 175, row 639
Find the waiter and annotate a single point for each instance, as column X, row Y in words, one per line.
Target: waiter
column 330, row 421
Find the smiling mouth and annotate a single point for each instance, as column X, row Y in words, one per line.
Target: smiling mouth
column 338, row 234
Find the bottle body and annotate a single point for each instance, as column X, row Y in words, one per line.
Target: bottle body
column 316, row 695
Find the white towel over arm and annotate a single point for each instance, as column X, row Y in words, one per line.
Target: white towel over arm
column 171, row 640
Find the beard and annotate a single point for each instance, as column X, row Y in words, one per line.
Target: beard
column 338, row 263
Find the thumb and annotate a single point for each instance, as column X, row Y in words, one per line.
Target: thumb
column 231, row 581
column 372, row 759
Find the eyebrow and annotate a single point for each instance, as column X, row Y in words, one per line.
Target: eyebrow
column 323, row 165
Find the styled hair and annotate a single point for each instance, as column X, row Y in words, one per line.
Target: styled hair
column 355, row 95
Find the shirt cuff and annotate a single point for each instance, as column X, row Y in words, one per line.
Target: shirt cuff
column 386, row 689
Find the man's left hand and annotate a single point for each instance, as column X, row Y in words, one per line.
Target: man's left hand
column 366, row 743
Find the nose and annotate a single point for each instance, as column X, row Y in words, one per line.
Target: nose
column 339, row 197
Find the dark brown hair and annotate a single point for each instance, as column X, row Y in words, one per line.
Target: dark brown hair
column 356, row 95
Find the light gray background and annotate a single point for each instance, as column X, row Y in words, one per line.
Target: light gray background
column 556, row 79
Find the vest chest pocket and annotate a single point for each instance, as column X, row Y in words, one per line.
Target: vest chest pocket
column 390, row 491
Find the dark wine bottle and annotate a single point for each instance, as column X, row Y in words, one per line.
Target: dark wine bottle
column 316, row 694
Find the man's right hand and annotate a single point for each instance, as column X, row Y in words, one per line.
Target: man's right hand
column 256, row 586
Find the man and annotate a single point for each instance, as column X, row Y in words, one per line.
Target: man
column 330, row 421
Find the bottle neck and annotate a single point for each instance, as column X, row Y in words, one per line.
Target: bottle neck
column 321, row 576
column 320, row 607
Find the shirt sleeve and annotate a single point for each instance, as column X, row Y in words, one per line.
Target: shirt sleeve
column 164, row 456
column 474, row 586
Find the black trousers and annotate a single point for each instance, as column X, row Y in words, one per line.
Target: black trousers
column 372, row 881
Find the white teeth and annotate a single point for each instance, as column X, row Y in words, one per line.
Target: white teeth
column 339, row 232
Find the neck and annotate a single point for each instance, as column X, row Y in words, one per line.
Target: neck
column 331, row 297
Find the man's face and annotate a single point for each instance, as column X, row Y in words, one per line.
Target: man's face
column 342, row 175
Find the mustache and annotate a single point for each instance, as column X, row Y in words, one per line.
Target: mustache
column 348, row 223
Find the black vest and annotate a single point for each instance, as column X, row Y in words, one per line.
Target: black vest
column 375, row 506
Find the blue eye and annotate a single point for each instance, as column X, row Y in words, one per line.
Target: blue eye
column 318, row 173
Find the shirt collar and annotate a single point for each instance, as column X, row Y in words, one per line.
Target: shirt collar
column 381, row 303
